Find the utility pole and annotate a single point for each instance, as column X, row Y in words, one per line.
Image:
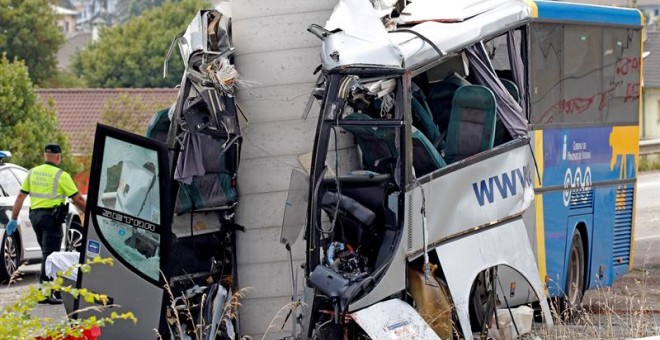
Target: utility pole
column 276, row 56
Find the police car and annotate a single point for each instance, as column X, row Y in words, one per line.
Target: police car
column 22, row 245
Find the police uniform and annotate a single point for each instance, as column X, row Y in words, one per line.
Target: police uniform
column 48, row 187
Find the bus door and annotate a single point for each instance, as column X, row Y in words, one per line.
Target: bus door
column 128, row 222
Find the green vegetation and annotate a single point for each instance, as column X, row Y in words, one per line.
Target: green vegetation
column 63, row 79
column 18, row 322
column 132, row 54
column 27, row 125
column 127, row 9
column 649, row 163
column 29, row 32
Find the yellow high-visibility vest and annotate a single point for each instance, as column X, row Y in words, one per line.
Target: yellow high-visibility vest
column 48, row 186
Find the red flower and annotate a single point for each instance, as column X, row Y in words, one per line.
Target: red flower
column 92, row 333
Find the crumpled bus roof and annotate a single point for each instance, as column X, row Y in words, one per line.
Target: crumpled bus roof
column 451, row 26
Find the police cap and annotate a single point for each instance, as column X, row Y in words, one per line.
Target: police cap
column 52, row 148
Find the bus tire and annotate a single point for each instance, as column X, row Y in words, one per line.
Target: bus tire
column 575, row 274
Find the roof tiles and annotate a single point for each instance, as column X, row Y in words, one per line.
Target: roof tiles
column 79, row 110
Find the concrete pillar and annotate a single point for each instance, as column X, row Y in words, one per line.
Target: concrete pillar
column 276, row 56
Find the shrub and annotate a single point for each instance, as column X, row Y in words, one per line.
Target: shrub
column 18, row 322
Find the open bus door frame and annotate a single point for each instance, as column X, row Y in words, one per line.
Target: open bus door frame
column 162, row 178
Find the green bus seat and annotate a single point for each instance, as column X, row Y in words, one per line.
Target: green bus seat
column 440, row 98
column 512, row 88
column 472, row 122
column 159, row 125
column 426, row 158
column 216, row 189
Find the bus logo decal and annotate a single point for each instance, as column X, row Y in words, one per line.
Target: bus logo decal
column 575, row 183
column 506, row 184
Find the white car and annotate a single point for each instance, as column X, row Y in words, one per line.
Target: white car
column 22, row 245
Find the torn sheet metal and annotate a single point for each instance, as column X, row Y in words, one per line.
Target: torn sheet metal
column 446, row 11
column 196, row 38
column 363, row 38
column 205, row 117
column 502, row 245
column 393, row 319
column 384, row 8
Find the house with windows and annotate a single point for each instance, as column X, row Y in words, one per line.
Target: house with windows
column 66, row 20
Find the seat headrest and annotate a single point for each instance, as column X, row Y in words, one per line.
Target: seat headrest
column 475, row 97
column 457, row 80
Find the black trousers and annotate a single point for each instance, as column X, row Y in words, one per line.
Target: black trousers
column 49, row 235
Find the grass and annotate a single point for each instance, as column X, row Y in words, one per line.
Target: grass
column 624, row 311
column 184, row 316
column 649, row 163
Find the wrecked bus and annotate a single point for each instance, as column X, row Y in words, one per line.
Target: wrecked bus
column 162, row 206
column 420, row 194
column 420, row 215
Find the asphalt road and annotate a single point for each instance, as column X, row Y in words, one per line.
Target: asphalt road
column 30, row 277
column 647, row 233
column 641, row 284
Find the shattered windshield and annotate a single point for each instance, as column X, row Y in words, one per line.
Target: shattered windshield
column 130, row 202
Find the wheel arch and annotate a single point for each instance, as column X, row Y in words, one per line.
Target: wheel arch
column 583, row 227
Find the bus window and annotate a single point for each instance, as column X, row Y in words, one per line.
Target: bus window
column 545, row 71
column 361, row 160
column 438, row 86
column 499, row 56
column 621, row 66
column 584, row 74
column 130, row 195
column 357, row 143
column 582, row 98
column 501, row 51
column 345, row 154
column 457, row 115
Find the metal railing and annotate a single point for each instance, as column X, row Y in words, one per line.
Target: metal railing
column 649, row 147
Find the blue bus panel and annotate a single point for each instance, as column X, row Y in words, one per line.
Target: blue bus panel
column 589, row 181
column 562, row 11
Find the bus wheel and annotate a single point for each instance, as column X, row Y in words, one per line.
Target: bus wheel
column 574, row 289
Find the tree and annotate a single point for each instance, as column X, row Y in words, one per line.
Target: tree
column 127, row 9
column 27, row 125
column 132, row 54
column 29, row 32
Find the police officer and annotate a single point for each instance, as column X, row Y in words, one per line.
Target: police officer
column 48, row 187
